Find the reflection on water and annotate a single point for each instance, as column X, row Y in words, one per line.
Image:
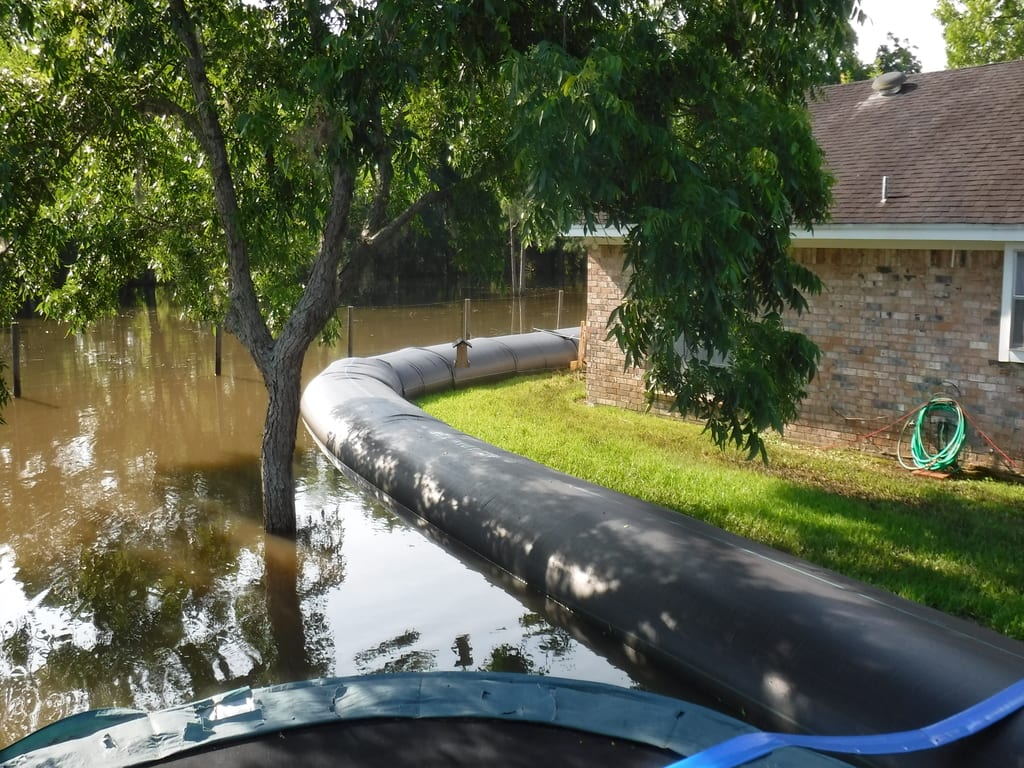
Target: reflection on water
column 133, row 566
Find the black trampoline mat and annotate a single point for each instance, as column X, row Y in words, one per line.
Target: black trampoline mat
column 424, row 742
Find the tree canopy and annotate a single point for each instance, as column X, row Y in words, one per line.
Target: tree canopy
column 262, row 154
column 981, row 31
column 848, row 66
column 896, row 55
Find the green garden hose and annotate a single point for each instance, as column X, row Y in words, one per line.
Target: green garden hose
column 949, row 432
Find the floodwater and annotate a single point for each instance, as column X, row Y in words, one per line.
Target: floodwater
column 134, row 570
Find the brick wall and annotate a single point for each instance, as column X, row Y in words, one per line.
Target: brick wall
column 608, row 381
column 898, row 326
column 894, row 327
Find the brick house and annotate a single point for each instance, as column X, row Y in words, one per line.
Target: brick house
column 922, row 264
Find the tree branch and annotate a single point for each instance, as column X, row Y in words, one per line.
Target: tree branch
column 375, row 218
column 161, row 106
column 368, row 246
column 320, row 296
column 244, row 318
column 394, row 227
column 317, row 28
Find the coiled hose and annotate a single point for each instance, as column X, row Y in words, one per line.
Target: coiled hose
column 949, row 435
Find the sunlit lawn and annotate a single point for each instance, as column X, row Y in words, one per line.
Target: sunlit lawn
column 957, row 545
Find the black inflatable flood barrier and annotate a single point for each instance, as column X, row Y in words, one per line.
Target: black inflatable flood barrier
column 790, row 645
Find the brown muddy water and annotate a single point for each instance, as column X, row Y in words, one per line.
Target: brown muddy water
column 133, row 566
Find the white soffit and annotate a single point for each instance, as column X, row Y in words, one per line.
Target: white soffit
column 599, row 235
column 934, row 236
column 931, row 236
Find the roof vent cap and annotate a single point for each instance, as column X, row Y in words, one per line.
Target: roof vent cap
column 888, row 83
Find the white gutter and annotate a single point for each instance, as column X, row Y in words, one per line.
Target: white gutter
column 599, row 235
column 939, row 236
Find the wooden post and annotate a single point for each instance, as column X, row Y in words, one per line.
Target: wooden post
column 462, row 353
column 558, row 310
column 348, row 323
column 465, row 319
column 580, row 363
column 16, row 357
column 217, row 335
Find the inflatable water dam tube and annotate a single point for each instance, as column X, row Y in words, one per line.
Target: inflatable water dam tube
column 793, row 646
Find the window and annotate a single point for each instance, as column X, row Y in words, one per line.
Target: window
column 1011, row 327
column 688, row 353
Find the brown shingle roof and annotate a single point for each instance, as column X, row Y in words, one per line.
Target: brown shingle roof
column 951, row 143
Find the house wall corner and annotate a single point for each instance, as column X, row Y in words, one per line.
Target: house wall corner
column 608, row 381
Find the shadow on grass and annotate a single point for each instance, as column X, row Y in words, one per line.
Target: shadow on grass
column 950, row 553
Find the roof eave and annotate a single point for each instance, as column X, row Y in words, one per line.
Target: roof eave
column 598, row 235
column 918, row 236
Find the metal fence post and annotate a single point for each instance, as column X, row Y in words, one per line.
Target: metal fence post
column 16, row 357
column 348, row 323
column 217, row 344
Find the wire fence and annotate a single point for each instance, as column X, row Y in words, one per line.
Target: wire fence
column 373, row 330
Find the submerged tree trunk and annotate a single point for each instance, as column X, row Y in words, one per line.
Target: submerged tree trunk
column 282, row 376
column 277, row 451
column 284, row 609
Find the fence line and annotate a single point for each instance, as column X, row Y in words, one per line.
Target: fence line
column 350, row 321
column 465, row 330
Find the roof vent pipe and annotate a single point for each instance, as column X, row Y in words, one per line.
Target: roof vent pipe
column 885, row 188
column 888, row 83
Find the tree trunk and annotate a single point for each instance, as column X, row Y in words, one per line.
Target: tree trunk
column 278, row 448
column 284, row 609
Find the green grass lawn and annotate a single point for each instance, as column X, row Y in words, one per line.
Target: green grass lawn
column 956, row 545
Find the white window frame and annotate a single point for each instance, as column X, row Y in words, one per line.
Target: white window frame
column 1008, row 354
column 689, row 353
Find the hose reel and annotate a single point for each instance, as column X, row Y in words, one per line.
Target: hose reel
column 938, row 435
